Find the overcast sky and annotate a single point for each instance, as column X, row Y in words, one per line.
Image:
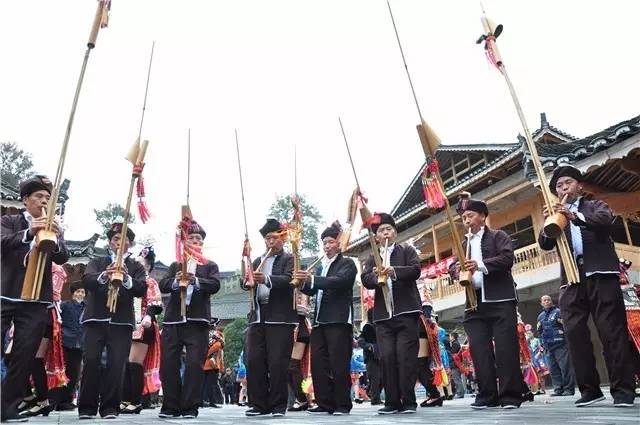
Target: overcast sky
column 281, row 72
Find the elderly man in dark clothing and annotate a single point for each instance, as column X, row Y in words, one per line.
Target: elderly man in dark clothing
column 551, row 331
column 29, row 317
column 492, row 326
column 597, row 294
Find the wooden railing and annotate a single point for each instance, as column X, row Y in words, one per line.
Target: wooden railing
column 527, row 259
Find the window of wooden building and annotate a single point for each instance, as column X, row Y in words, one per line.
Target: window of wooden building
column 521, row 232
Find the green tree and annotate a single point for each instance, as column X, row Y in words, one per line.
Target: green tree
column 107, row 215
column 16, row 164
column 233, row 341
column 283, row 211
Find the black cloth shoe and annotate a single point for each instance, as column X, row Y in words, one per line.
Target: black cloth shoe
column 41, row 408
column 623, row 402
column 278, row 413
column 255, row 412
column 190, row 414
column 387, row 410
column 568, row 393
column 589, row 399
column 341, row 412
column 557, row 394
column 14, row 418
column 86, row 415
column 299, row 407
column 318, row 411
column 376, row 402
column 109, row 414
column 169, row 413
column 432, row 402
column 480, row 405
column 528, row 396
column 132, row 409
column 64, row 407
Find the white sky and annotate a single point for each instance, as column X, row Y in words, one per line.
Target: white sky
column 281, row 72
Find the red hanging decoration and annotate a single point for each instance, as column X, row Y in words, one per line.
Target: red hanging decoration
column 182, row 249
column 434, row 350
column 433, row 196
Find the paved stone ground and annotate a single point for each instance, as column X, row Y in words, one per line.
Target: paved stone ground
column 544, row 410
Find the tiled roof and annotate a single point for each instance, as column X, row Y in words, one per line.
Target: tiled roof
column 568, row 148
column 9, row 192
column 553, row 154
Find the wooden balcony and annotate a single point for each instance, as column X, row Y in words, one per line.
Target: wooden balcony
column 528, row 259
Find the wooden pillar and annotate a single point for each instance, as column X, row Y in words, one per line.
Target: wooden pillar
column 626, row 229
column 536, row 216
column 436, row 252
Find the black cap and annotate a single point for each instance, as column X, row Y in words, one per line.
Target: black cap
column 564, row 171
column 381, row 218
column 195, row 227
column 474, row 205
column 34, row 184
column 332, row 231
column 272, row 225
column 117, row 228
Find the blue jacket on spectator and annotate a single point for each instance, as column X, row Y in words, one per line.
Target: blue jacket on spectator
column 550, row 328
column 70, row 312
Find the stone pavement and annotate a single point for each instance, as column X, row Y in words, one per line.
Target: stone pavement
column 544, row 410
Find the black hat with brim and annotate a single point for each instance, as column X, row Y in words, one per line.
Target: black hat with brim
column 332, row 231
column 117, row 228
column 564, row 171
column 475, row 205
column 380, row 219
column 34, row 184
column 272, row 225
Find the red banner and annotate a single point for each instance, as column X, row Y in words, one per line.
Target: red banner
column 434, row 270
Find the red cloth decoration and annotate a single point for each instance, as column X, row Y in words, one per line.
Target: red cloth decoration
column 56, row 376
column 183, row 249
column 143, row 210
column 434, row 350
column 433, row 196
column 632, row 304
column 530, row 375
column 151, row 364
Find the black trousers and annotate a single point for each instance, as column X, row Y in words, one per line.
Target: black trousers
column 268, row 351
column 103, row 389
column 29, row 321
column 600, row 296
column 425, row 376
column 186, row 393
column 331, row 347
column 398, row 342
column 211, row 391
column 374, row 374
column 72, row 366
column 495, row 322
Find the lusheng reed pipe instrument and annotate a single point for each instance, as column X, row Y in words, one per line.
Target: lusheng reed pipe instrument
column 136, row 157
column 360, row 202
column 465, row 279
column 259, row 270
column 430, row 143
column 246, row 268
column 46, row 239
column 491, row 33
